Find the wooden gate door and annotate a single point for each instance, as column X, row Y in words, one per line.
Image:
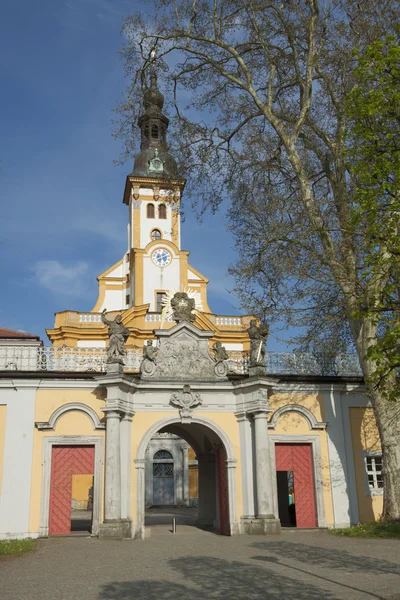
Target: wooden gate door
column 298, row 458
column 223, row 497
column 65, row 462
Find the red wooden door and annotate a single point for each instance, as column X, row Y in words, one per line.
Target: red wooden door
column 65, row 462
column 223, row 498
column 298, row 458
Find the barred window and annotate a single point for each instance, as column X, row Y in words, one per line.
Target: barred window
column 373, row 464
column 163, row 469
column 163, row 455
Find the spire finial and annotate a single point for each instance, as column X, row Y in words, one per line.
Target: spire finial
column 153, row 73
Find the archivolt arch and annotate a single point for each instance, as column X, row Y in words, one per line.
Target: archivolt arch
column 141, row 452
column 61, row 410
column 305, row 412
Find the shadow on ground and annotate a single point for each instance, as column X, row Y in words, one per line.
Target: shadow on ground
column 217, row 578
column 326, row 558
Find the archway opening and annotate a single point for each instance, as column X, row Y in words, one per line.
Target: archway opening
column 186, row 478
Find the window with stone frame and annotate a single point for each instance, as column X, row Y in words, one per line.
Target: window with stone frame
column 159, row 298
column 156, row 234
column 162, row 211
column 150, row 211
column 373, row 466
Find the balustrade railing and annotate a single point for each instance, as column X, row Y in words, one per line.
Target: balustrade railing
column 74, row 359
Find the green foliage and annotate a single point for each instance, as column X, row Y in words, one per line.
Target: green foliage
column 372, row 529
column 16, row 546
column 373, row 109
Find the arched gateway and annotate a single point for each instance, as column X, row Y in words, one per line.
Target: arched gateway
column 217, row 472
column 186, row 392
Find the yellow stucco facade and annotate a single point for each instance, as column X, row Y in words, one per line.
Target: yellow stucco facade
column 365, row 438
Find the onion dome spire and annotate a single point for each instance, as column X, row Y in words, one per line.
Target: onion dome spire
column 153, row 159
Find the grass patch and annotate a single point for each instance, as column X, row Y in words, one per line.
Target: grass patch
column 8, row 547
column 373, row 529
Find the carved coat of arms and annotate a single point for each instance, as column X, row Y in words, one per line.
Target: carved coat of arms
column 186, row 401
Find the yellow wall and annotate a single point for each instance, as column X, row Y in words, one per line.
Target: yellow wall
column 81, row 485
column 365, row 436
column 193, row 482
column 3, row 414
column 70, row 423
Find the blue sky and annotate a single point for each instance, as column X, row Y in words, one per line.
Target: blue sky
column 62, row 219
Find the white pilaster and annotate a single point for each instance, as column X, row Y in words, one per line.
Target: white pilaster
column 337, row 459
column 112, row 495
column 263, row 467
column 246, row 457
column 125, row 428
column 15, row 492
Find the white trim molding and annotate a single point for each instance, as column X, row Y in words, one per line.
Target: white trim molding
column 305, row 412
column 72, row 440
column 315, row 442
column 61, row 410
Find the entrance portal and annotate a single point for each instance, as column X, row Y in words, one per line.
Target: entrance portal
column 212, row 454
column 71, row 489
column 163, row 478
column 295, row 482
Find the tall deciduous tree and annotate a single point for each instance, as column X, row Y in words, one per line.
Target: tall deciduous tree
column 265, row 127
column 373, row 109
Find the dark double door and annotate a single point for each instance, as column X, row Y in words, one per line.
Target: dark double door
column 163, row 483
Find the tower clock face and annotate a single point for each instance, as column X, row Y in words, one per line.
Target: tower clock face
column 161, row 257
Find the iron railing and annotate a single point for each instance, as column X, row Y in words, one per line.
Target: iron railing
column 65, row 358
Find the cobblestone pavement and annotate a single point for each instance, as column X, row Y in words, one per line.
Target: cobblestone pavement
column 194, row 564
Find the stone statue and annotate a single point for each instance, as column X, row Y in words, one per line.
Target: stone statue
column 220, row 353
column 182, row 307
column 258, row 335
column 118, row 335
column 149, row 351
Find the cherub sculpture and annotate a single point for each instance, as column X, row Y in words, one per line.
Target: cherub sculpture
column 220, row 353
column 149, row 351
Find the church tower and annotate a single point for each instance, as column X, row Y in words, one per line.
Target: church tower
column 154, row 264
column 152, row 193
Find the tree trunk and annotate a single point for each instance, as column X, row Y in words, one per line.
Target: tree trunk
column 387, row 416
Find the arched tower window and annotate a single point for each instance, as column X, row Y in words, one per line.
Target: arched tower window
column 156, row 234
column 154, row 131
column 162, row 211
column 146, row 131
column 150, row 211
column 163, row 455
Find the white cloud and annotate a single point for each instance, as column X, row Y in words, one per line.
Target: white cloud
column 69, row 279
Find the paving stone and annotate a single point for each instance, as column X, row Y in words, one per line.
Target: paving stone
column 195, row 564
